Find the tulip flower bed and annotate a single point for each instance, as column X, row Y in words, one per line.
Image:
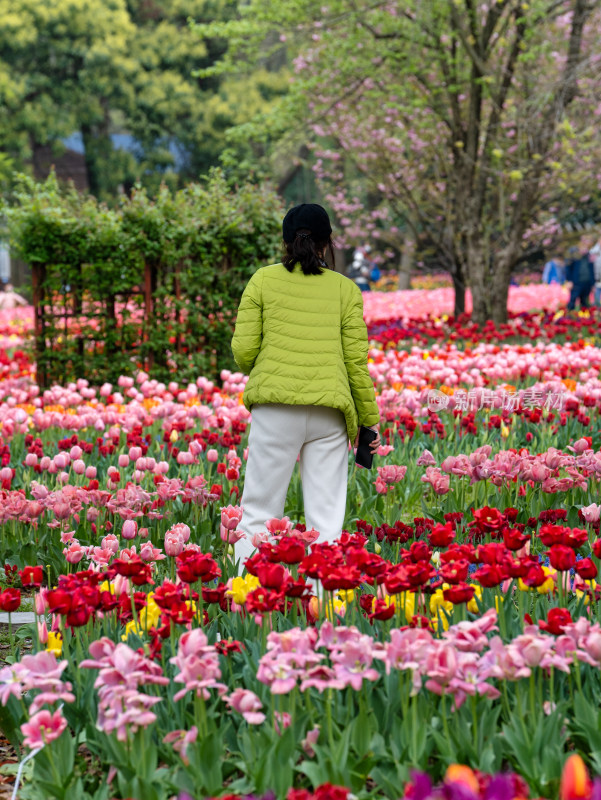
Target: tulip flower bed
column 456, row 621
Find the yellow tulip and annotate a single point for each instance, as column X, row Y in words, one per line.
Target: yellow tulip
column 54, row 643
column 241, row 587
column 473, row 605
column 437, row 602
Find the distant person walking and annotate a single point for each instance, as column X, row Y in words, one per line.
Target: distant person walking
column 554, row 271
column 579, row 272
column 360, row 269
column 10, row 299
column 595, row 254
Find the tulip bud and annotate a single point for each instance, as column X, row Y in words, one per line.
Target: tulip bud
column 130, row 529
column 575, row 781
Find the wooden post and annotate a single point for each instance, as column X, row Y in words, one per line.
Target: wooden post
column 178, row 315
column 149, row 312
column 38, row 277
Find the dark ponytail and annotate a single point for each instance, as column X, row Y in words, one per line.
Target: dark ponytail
column 304, row 250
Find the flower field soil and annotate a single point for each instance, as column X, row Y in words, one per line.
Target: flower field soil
column 456, row 621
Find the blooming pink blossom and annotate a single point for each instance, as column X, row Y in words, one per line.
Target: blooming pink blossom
column 246, row 703
column 43, row 728
column 181, row 741
column 231, row 517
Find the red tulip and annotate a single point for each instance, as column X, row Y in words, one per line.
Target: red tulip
column 442, row 535
column 514, row 539
column 562, row 557
column 462, row 593
column 10, row 600
column 32, row 576
column 586, row 568
column 557, row 619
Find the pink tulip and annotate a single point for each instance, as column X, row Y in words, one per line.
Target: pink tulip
column 182, row 530
column 91, row 472
column 195, row 447
column 42, row 729
column 591, row 513
column 309, row 740
column 212, row 455
column 61, row 460
column 174, row 544
column 278, row 526
column 78, row 467
column 74, row 553
column 111, row 542
column 42, row 631
column 231, row 517
column 440, row 483
column 39, row 602
column 150, row 553
column 246, row 703
column 130, row 529
column 181, row 740
column 123, row 460
column 229, row 536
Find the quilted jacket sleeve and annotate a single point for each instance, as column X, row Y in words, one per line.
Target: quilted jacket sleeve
column 248, row 335
column 354, row 348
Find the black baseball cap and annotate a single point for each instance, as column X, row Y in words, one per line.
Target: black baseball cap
column 310, row 217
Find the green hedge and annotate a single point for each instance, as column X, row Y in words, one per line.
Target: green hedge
column 193, row 252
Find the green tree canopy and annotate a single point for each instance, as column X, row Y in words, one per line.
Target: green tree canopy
column 98, row 67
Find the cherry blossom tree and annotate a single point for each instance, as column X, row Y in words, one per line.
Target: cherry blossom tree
column 467, row 123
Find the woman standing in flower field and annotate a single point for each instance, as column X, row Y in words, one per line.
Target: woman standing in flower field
column 301, row 337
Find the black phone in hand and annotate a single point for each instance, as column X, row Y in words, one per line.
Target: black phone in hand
column 364, row 456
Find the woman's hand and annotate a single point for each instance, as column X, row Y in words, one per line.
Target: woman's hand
column 376, row 442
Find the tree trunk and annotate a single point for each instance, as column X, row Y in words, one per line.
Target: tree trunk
column 91, row 160
column 459, row 288
column 406, row 263
column 479, row 281
column 97, row 151
column 500, row 286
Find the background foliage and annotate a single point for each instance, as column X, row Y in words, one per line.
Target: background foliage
column 100, row 68
column 197, row 248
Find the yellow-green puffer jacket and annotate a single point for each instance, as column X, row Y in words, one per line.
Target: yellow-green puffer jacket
column 303, row 341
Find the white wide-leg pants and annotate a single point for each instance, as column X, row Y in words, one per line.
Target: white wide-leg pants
column 278, row 435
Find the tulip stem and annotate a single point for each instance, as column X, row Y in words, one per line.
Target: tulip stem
column 329, row 719
column 474, row 723
column 532, row 693
column 11, row 637
column 414, row 730
column 445, row 722
column 55, row 773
